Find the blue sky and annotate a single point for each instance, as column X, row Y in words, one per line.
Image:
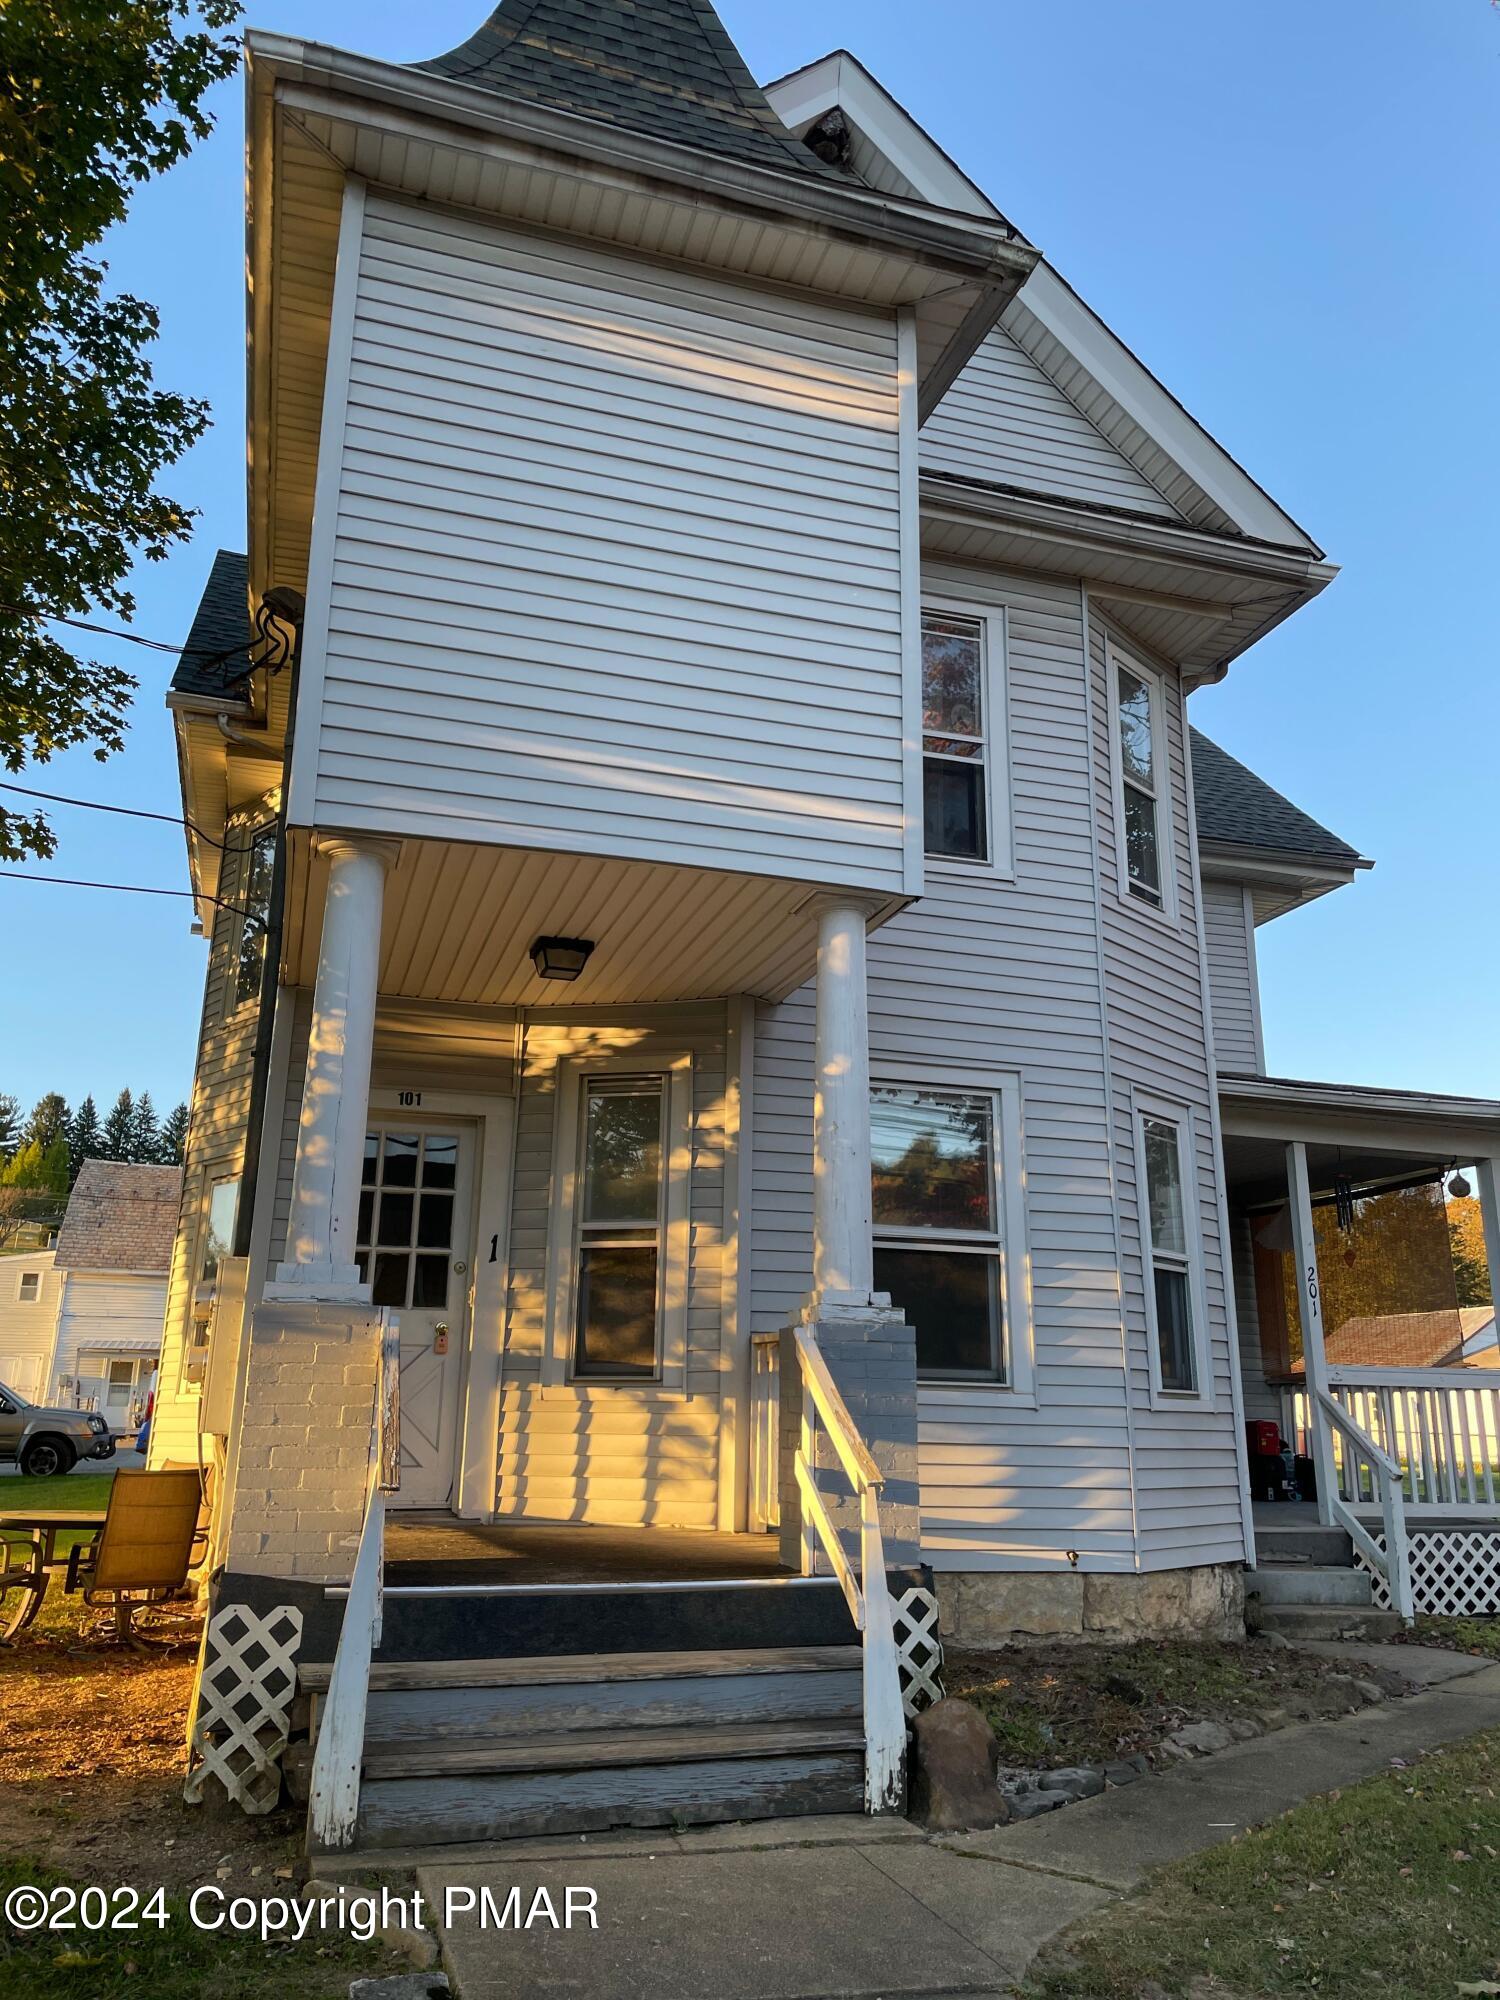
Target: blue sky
column 1288, row 211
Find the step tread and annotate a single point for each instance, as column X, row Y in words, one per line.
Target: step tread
column 574, row 1669
column 602, row 1749
column 1325, row 1621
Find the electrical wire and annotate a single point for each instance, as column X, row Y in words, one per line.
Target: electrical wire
column 125, row 889
column 96, row 805
column 132, row 638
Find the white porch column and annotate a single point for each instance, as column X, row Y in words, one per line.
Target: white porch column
column 336, row 1096
column 843, row 1259
column 1310, row 1313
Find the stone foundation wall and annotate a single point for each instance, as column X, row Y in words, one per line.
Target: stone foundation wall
column 984, row 1608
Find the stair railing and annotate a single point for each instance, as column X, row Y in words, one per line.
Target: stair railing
column 333, row 1795
column 1393, row 1562
column 868, row 1595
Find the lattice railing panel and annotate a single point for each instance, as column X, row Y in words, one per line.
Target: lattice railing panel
column 246, row 1683
column 919, row 1648
column 1455, row 1572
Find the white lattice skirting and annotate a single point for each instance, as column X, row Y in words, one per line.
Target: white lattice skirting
column 1455, row 1572
column 246, row 1682
column 919, row 1650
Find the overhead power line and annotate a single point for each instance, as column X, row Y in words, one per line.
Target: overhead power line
column 124, row 888
column 209, row 658
column 97, row 805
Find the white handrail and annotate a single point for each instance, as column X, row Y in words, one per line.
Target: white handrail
column 333, row 1795
column 869, row 1596
column 1392, row 1562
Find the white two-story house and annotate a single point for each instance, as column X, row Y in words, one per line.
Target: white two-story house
column 724, row 944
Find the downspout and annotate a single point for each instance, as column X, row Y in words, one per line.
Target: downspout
column 270, row 967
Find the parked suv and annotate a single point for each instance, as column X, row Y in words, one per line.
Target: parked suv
column 45, row 1441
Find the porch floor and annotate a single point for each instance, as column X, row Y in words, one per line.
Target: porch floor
column 436, row 1548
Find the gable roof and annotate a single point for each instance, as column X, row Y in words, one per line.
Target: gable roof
column 120, row 1218
column 221, row 627
column 666, row 68
column 1402, row 1340
column 1234, row 808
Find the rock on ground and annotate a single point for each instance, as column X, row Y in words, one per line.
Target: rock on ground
column 954, row 1760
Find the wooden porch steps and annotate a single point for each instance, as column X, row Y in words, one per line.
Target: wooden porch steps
column 465, row 1750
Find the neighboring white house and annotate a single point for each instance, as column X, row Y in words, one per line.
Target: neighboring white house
column 81, row 1324
column 741, row 865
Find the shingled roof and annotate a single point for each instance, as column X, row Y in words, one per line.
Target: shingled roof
column 120, row 1218
column 221, row 623
column 1234, row 808
column 665, row 68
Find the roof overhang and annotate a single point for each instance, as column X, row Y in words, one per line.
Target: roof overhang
column 317, row 115
column 1278, row 879
column 1191, row 596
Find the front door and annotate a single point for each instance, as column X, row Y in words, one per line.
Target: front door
column 415, row 1222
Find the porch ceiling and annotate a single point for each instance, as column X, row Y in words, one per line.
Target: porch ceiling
column 1255, row 1168
column 459, row 921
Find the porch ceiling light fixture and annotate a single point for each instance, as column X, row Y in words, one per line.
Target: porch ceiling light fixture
column 559, row 957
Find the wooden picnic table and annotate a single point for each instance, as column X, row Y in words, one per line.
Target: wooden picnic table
column 27, row 1578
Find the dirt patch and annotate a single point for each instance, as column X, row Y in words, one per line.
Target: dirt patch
column 91, row 1767
column 1057, row 1706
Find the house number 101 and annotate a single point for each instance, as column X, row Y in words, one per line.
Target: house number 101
column 408, row 1097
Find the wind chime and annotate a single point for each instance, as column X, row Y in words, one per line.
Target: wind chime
column 1343, row 1208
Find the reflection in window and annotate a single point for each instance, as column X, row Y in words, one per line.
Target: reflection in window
column 934, row 1195
column 255, row 902
column 1139, row 762
column 218, row 1228
column 406, row 1217
column 620, row 1229
column 1167, row 1254
column 953, row 737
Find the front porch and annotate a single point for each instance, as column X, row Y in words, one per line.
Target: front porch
column 1353, row 1342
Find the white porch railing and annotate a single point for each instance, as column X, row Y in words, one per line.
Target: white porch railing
column 1360, row 1460
column 868, row 1596
column 765, row 1432
column 333, row 1798
column 1440, row 1425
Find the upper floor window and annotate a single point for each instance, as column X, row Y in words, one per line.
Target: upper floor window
column 1167, row 1245
column 955, row 785
column 30, row 1288
column 938, row 1235
column 1141, row 792
column 258, row 860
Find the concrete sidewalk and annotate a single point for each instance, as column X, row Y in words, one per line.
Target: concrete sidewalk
column 842, row 1909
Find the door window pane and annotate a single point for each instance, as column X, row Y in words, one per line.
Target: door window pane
column 398, row 1166
column 616, row 1332
column 435, row 1222
column 622, row 1154
column 952, row 1299
column 1164, row 1187
column 439, row 1161
column 932, row 1160
column 430, row 1281
column 389, row 1285
column 406, row 1206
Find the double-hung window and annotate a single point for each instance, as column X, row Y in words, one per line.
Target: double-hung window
column 955, row 774
column 939, row 1243
column 1141, row 765
column 30, row 1288
column 1168, row 1250
column 257, row 863
column 621, row 1223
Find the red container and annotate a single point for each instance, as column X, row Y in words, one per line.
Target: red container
column 1264, row 1436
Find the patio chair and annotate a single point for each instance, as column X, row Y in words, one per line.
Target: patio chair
column 145, row 1549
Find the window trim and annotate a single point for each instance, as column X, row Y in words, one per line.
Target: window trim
column 998, row 788
column 23, row 1298
column 676, row 1070
column 1162, row 1110
column 1166, row 911
column 1004, row 1087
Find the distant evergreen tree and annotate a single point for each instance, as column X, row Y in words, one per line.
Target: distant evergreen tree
column 174, row 1137
column 85, row 1139
column 49, row 1116
column 119, row 1129
column 10, row 1125
column 145, row 1132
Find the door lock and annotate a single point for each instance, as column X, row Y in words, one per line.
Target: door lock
column 440, row 1337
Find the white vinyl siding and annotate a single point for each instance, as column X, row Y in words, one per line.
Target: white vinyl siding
column 1004, row 421
column 631, row 1453
column 1187, row 1480
column 988, row 976
column 106, row 1315
column 28, row 1327
column 1229, row 932
column 616, row 566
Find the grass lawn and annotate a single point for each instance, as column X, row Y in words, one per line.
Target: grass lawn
column 1392, row 1886
column 175, row 1962
column 1460, row 1635
column 86, row 1492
